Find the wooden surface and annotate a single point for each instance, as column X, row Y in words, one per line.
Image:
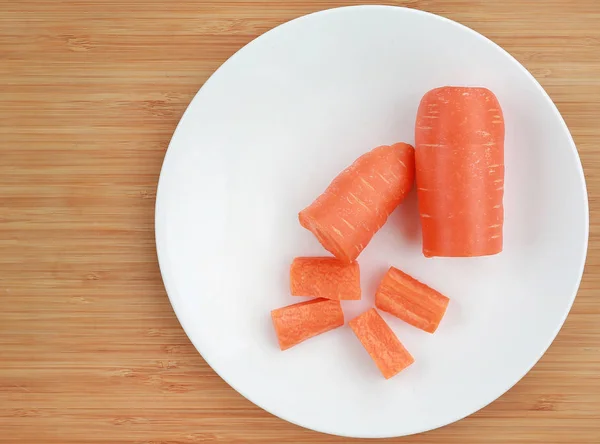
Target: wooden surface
column 90, row 350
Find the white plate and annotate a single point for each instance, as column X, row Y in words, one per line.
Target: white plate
column 267, row 133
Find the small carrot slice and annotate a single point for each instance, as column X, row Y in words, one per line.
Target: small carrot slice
column 325, row 277
column 459, row 155
column 382, row 344
column 298, row 322
column 359, row 200
column 410, row 300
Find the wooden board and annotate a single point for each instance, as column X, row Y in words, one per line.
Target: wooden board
column 90, row 93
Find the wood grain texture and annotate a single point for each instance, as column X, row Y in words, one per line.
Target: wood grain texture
column 90, row 93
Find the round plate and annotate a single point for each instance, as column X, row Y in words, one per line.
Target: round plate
column 266, row 134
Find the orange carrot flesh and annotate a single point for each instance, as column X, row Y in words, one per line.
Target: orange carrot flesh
column 381, row 343
column 298, row 322
column 459, row 156
column 325, row 277
column 359, row 200
column 410, row 300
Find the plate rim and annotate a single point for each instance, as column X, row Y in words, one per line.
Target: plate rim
column 160, row 238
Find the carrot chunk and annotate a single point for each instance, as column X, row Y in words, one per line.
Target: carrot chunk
column 382, row 344
column 359, row 200
column 325, row 277
column 299, row 322
column 410, row 300
column 459, row 155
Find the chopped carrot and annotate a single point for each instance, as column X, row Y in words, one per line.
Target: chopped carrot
column 459, row 155
column 359, row 200
column 325, row 277
column 382, row 344
column 299, row 322
column 411, row 300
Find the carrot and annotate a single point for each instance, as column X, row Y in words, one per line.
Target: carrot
column 299, row 322
column 381, row 343
column 459, row 155
column 325, row 277
column 410, row 300
column 359, row 200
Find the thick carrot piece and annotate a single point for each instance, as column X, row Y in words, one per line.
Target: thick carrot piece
column 410, row 300
column 381, row 343
column 359, row 200
column 299, row 322
column 325, row 277
column 459, row 155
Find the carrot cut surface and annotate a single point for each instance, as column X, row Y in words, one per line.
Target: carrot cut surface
column 459, row 156
column 381, row 343
column 359, row 200
column 325, row 277
column 410, row 300
column 299, row 322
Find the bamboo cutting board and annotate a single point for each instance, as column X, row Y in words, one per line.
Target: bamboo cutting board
column 90, row 93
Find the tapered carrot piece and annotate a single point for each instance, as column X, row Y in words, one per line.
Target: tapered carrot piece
column 459, row 155
column 325, row 277
column 299, row 322
column 359, row 200
column 411, row 300
column 381, row 343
